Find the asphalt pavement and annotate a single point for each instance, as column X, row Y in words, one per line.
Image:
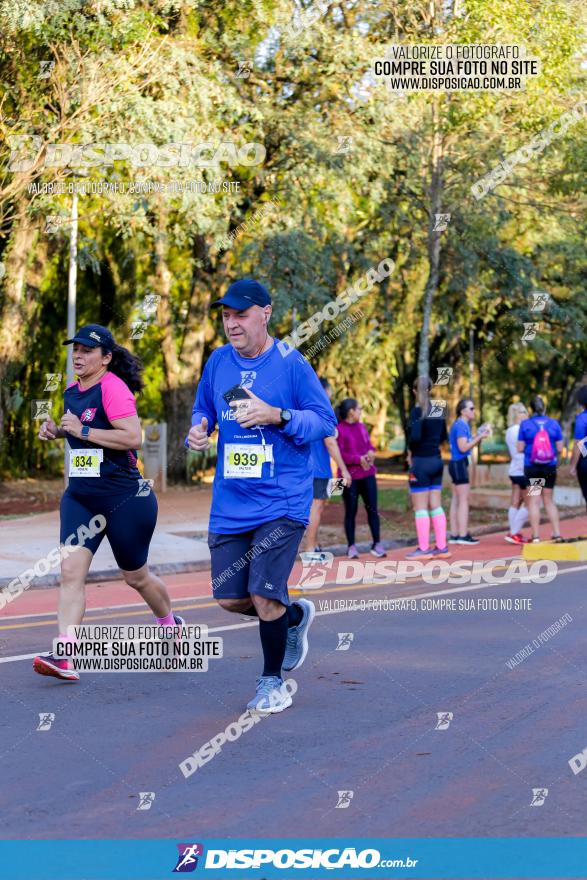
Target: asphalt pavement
column 439, row 722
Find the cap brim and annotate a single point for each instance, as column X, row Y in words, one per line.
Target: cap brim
column 234, row 302
column 91, row 343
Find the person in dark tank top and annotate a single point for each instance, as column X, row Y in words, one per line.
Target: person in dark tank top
column 426, row 433
column 106, row 495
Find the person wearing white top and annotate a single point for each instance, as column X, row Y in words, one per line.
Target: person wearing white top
column 517, row 513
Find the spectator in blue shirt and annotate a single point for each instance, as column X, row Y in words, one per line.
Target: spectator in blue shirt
column 578, row 466
column 461, row 443
column 540, row 439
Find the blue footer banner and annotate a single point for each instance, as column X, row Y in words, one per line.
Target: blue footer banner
column 415, row 858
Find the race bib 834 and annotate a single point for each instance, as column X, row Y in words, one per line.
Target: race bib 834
column 85, row 462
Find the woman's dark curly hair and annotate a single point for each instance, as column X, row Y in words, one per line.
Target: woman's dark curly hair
column 127, row 366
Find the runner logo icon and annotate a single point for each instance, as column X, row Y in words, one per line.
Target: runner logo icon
column 444, row 375
column 88, row 414
column 345, row 144
column 46, row 719
column 146, row 799
column 539, row 795
column 437, row 409
column 444, row 719
column 441, row 222
column 247, row 378
column 540, row 300
column 344, row 641
column 187, row 860
column 344, row 800
column 335, row 487
column 530, row 331
column 315, row 566
column 53, row 380
column 46, row 68
column 41, row 409
column 536, row 485
column 138, row 329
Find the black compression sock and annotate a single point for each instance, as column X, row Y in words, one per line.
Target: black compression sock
column 294, row 614
column 273, row 641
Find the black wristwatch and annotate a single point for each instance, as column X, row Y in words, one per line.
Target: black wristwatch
column 285, row 418
column 85, row 431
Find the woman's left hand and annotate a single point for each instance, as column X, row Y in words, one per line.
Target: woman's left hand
column 71, row 424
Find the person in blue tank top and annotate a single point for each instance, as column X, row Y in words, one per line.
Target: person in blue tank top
column 461, row 443
column 578, row 465
column 269, row 408
column 541, row 440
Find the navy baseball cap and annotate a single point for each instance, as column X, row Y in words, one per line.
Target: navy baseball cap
column 243, row 294
column 93, row 335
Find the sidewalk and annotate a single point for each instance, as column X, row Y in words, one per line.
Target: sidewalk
column 180, row 541
column 191, row 589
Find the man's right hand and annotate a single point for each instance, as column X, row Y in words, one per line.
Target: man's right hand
column 48, row 430
column 198, row 436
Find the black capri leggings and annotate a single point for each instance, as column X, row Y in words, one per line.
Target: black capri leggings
column 130, row 523
column 366, row 488
column 582, row 476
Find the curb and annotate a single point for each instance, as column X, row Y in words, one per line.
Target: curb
column 340, row 549
column 53, row 580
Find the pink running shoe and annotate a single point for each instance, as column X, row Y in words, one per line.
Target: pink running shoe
column 46, row 664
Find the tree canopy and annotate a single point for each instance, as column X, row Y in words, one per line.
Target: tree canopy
column 319, row 172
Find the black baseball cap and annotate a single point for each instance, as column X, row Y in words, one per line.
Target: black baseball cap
column 243, row 294
column 93, row 335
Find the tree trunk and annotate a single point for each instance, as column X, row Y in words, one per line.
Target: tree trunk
column 177, row 404
column 379, row 427
column 433, row 244
column 403, row 382
column 19, row 307
column 194, row 339
column 182, row 358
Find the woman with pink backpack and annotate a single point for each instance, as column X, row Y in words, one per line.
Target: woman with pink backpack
column 540, row 439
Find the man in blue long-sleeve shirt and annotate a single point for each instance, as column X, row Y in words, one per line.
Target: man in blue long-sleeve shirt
column 263, row 484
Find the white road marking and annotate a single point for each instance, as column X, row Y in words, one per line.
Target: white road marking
column 433, row 594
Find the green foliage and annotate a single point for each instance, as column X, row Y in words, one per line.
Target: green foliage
column 185, row 71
